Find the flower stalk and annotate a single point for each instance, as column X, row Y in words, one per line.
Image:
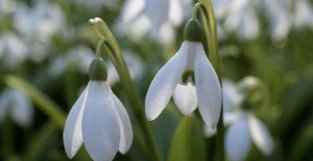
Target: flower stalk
column 204, row 11
column 113, row 51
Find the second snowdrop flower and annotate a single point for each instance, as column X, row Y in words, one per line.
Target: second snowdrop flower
column 190, row 77
column 98, row 119
column 245, row 129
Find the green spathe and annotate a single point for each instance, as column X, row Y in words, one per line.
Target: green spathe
column 98, row 70
column 193, row 31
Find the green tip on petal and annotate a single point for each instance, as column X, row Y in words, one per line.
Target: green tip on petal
column 98, row 70
column 193, row 31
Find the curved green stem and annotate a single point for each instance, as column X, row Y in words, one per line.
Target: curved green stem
column 207, row 18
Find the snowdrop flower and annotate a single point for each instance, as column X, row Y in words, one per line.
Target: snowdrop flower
column 277, row 12
column 303, row 15
column 12, row 50
column 190, row 77
column 15, row 103
column 98, row 119
column 238, row 17
column 156, row 18
column 246, row 127
column 242, row 132
column 38, row 24
column 79, row 55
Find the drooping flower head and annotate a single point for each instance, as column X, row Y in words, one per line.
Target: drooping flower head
column 190, row 78
column 247, row 128
column 98, row 119
column 16, row 104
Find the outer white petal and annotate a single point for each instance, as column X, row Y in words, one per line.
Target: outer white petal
column 72, row 135
column 209, row 90
column 22, row 109
column 185, row 97
column 260, row 135
column 100, row 124
column 125, row 125
column 158, row 11
column 164, row 83
column 238, row 139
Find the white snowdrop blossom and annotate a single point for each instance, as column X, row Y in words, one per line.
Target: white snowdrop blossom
column 37, row 24
column 246, row 129
column 277, row 11
column 15, row 103
column 156, row 18
column 79, row 55
column 204, row 91
column 303, row 15
column 99, row 120
column 12, row 50
column 238, row 17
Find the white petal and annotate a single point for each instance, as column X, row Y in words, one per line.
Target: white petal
column 22, row 109
column 158, row 11
column 238, row 139
column 164, row 83
column 185, row 97
column 209, row 90
column 100, row 124
column 72, row 135
column 125, row 126
column 260, row 135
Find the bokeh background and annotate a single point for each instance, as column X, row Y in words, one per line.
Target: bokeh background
column 46, row 47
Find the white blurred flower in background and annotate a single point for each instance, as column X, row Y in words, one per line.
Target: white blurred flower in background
column 16, row 104
column 37, row 24
column 279, row 17
column 13, row 50
column 156, row 18
column 79, row 55
column 238, row 17
column 242, row 132
column 303, row 14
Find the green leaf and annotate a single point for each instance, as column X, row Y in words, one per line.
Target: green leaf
column 44, row 103
column 188, row 141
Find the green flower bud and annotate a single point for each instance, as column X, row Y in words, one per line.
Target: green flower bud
column 98, row 70
column 193, row 31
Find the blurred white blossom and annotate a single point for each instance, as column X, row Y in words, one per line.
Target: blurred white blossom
column 37, row 24
column 13, row 50
column 242, row 132
column 16, row 104
column 156, row 18
column 238, row 17
column 303, row 14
